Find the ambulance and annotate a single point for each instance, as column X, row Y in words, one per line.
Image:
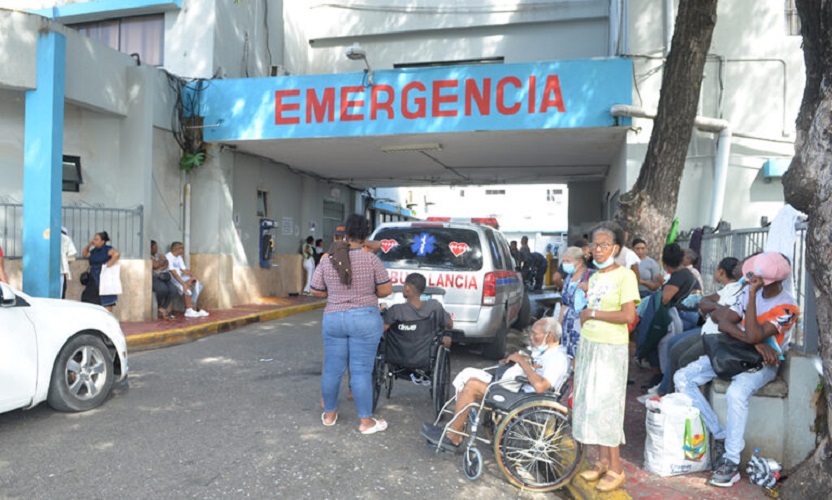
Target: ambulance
column 469, row 269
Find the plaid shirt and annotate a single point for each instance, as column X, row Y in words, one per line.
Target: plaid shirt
column 367, row 273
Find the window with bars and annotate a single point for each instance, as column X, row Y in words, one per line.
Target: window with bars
column 262, row 203
column 142, row 35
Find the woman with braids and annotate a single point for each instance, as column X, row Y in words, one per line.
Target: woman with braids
column 351, row 280
column 603, row 354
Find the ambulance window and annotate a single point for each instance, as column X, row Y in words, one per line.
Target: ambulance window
column 441, row 248
column 494, row 246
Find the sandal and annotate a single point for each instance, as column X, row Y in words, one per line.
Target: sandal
column 594, row 474
column 380, row 425
column 611, row 481
column 328, row 424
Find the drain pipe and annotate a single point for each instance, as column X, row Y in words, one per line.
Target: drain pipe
column 723, row 150
column 187, row 237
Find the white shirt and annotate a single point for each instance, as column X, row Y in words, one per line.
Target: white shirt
column 554, row 366
column 68, row 253
column 627, row 258
column 727, row 297
column 176, row 263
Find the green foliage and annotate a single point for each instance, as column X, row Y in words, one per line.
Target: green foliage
column 190, row 161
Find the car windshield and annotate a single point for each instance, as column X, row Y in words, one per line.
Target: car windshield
column 440, row 248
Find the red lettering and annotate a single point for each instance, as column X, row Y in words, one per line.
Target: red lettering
column 438, row 99
column 501, row 102
column 449, row 280
column 347, row 103
column 472, row 285
column 320, row 107
column 556, row 100
column 421, row 102
column 460, row 282
column 532, row 93
column 431, row 280
column 280, row 107
column 481, row 98
column 376, row 105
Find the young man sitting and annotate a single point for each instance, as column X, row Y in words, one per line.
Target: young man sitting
column 546, row 367
column 415, row 308
column 763, row 316
column 184, row 280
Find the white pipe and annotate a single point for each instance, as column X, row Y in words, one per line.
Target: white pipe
column 187, row 239
column 668, row 25
column 723, row 150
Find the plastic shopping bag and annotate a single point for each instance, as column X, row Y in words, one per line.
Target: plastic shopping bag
column 677, row 439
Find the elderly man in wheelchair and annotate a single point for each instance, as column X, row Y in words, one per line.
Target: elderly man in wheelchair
column 531, row 431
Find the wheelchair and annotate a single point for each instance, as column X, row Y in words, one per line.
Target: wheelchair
column 411, row 349
column 531, row 435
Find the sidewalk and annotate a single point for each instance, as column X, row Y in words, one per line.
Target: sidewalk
column 144, row 335
column 644, row 485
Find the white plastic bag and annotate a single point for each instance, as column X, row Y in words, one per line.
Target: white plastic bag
column 110, row 280
column 677, row 439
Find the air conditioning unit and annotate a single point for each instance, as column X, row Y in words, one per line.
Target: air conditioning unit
column 279, row 70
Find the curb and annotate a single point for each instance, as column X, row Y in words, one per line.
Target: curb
column 155, row 340
column 579, row 489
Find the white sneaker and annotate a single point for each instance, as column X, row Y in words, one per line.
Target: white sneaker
column 203, row 313
column 190, row 313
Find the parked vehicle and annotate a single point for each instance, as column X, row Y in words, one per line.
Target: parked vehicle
column 64, row 352
column 469, row 269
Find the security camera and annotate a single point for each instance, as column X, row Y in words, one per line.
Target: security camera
column 356, row 53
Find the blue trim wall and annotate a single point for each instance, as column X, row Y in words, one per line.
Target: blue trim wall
column 529, row 96
column 104, row 9
column 43, row 170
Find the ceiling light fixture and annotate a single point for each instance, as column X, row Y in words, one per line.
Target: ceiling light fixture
column 412, row 148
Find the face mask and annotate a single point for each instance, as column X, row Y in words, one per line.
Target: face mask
column 539, row 350
column 424, row 297
column 667, row 277
column 607, row 263
column 569, row 268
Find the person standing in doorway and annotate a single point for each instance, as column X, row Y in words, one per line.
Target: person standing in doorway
column 308, row 253
column 649, row 274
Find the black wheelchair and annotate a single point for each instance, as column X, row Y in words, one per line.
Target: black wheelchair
column 415, row 350
column 531, row 435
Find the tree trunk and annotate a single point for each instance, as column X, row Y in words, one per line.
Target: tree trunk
column 648, row 209
column 807, row 186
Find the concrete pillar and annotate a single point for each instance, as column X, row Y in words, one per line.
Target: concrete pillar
column 585, row 204
column 43, row 170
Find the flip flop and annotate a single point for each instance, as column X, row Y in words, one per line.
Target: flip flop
column 330, row 424
column 380, row 425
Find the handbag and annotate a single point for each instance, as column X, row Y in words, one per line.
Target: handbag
column 730, row 356
column 84, row 279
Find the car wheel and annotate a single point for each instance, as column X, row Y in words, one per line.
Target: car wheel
column 497, row 348
column 82, row 375
column 525, row 314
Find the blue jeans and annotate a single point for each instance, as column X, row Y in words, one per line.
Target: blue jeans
column 350, row 337
column 667, row 373
column 743, row 386
column 689, row 319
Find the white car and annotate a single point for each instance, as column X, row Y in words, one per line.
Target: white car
column 64, row 352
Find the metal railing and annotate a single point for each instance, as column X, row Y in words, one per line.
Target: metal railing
column 123, row 225
column 741, row 243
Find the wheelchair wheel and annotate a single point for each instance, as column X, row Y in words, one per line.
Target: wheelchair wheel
column 472, row 463
column 534, row 446
column 441, row 379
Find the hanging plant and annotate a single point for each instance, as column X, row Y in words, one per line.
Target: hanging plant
column 190, row 161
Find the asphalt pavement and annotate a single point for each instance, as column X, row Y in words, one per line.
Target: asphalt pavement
column 233, row 416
